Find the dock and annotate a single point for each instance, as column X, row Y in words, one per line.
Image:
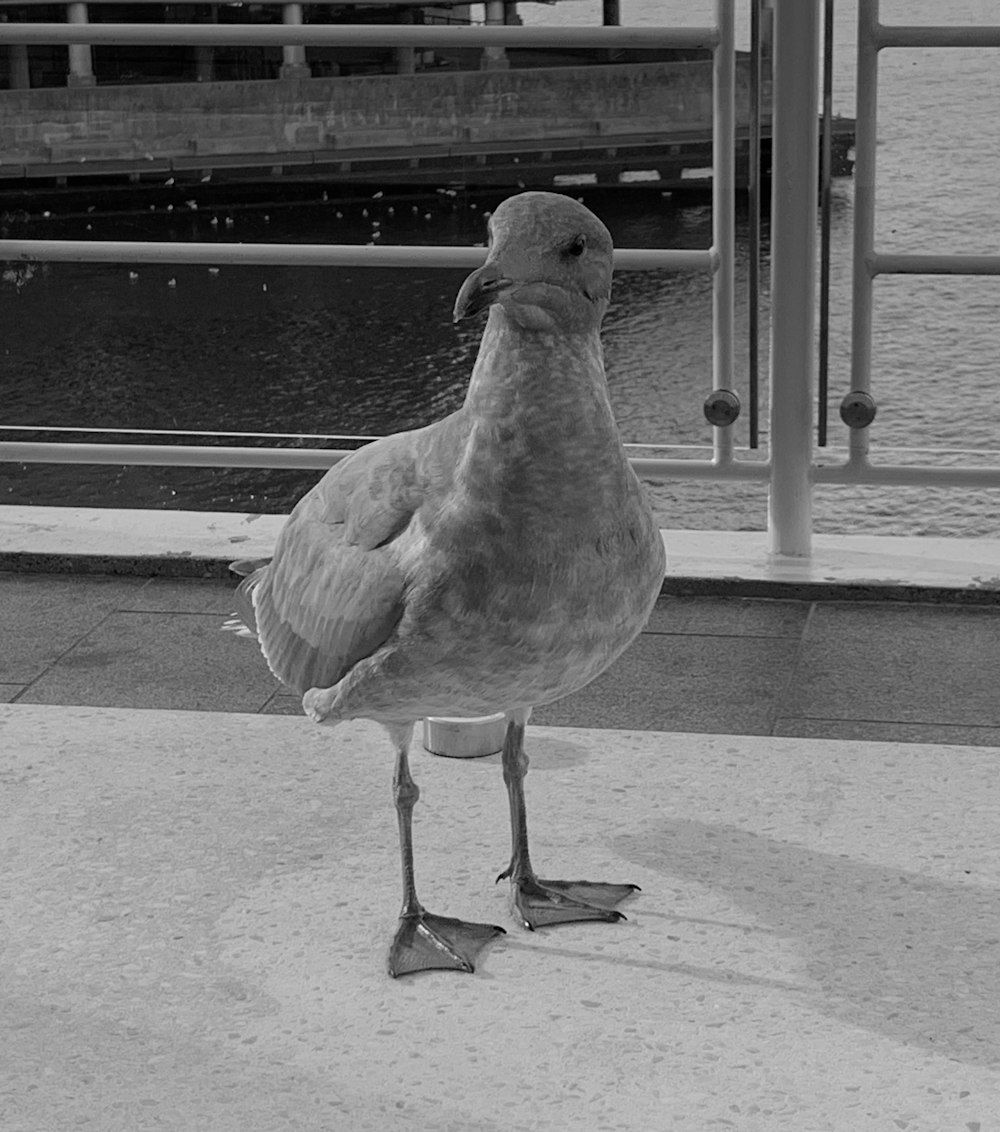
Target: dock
column 602, row 125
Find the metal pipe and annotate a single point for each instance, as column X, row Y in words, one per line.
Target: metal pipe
column 906, row 475
column 793, row 261
column 200, row 3
column 892, row 263
column 723, row 213
column 81, row 63
column 661, row 470
column 212, row 456
column 313, row 255
column 902, row 35
column 753, row 209
column 826, row 185
column 261, row 4
column 169, row 455
column 85, row 430
column 319, row 459
column 865, row 140
column 293, row 56
column 360, row 35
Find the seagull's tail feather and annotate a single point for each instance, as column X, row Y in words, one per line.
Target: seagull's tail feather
column 244, row 620
column 247, row 566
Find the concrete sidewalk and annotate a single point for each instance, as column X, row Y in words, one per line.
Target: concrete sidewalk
column 854, row 670
column 198, row 904
column 198, row 886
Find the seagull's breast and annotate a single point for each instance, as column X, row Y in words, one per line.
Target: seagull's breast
column 523, row 612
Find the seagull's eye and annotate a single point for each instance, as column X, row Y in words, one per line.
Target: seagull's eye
column 577, row 246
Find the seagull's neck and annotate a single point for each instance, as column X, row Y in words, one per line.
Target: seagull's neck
column 539, row 413
column 537, row 379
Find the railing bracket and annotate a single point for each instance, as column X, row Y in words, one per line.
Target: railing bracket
column 721, row 407
column 858, row 409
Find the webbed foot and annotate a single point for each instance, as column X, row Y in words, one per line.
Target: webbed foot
column 425, row 942
column 543, row 902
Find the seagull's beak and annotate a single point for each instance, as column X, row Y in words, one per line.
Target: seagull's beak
column 483, row 287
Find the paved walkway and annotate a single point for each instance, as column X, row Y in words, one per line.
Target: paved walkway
column 746, row 666
column 198, row 886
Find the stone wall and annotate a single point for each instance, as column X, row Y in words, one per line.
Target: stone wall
column 193, row 119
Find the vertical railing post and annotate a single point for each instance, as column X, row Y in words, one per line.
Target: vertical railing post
column 723, row 212
column 494, row 58
column 865, row 141
column 81, row 65
column 753, row 205
column 204, row 55
column 293, row 59
column 794, row 190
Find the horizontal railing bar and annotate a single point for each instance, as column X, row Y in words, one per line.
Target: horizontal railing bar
column 929, row 35
column 705, row 450
column 924, row 449
column 92, row 429
column 906, row 475
column 899, row 263
column 358, row 35
column 197, row 456
column 261, row 3
column 315, row 255
column 657, row 469
column 169, row 455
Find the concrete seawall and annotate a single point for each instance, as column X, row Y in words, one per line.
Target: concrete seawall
column 117, row 123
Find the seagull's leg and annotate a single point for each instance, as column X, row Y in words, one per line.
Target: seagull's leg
column 542, row 902
column 423, row 941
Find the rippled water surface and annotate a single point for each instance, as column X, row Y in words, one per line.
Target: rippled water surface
column 364, row 351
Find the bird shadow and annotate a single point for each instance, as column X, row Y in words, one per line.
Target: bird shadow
column 545, row 753
column 688, row 970
column 900, row 953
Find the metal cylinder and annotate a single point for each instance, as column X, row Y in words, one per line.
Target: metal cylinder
column 465, row 738
column 795, row 187
column 723, row 212
column 81, row 65
column 865, row 143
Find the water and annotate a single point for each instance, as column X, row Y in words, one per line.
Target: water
column 369, row 351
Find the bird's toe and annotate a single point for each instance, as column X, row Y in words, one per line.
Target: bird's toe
column 316, row 703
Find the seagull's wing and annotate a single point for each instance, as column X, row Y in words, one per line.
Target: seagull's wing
column 333, row 593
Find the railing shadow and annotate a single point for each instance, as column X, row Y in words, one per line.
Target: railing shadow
column 895, row 952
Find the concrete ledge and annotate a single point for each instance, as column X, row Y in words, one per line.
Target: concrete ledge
column 93, row 540
column 201, row 544
column 198, row 907
column 875, row 567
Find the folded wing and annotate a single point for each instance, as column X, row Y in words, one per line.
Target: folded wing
column 333, row 592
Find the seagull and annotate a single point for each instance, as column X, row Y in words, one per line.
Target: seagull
column 496, row 560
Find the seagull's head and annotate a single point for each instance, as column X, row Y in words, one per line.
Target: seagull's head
column 549, row 265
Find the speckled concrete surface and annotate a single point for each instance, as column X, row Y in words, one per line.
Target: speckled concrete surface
column 197, row 908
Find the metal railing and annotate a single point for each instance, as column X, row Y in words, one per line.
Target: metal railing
column 790, row 469
column 869, row 264
column 718, row 260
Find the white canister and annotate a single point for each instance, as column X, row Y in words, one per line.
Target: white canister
column 465, row 738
